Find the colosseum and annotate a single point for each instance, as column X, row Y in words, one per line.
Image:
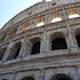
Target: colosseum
column 42, row 42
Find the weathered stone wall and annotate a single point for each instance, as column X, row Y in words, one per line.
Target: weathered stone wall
column 48, row 62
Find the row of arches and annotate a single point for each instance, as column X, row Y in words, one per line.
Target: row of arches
column 59, row 76
column 57, row 43
column 56, row 15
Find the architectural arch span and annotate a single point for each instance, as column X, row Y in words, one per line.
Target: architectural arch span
column 28, row 78
column 58, row 41
column 36, row 42
column 61, row 76
column 14, row 51
column 77, row 35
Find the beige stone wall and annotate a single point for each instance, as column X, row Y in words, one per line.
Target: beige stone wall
column 48, row 62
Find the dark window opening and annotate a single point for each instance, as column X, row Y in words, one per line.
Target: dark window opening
column 2, row 52
column 35, row 48
column 14, row 52
column 61, row 77
column 78, row 39
column 28, row 78
column 58, row 43
column 3, row 37
column 18, row 47
column 53, row 3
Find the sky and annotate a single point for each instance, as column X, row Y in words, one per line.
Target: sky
column 9, row 8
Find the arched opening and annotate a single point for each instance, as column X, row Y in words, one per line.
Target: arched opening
column 28, row 78
column 40, row 24
column 14, row 52
column 61, row 76
column 74, row 15
column 58, row 43
column 35, row 45
column 78, row 39
column 35, row 48
column 57, row 19
column 2, row 52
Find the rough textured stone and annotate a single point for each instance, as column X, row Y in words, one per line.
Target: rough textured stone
column 47, row 63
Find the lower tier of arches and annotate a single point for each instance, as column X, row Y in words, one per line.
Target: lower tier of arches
column 60, row 73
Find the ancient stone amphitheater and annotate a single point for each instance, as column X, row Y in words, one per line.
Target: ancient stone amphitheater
column 42, row 42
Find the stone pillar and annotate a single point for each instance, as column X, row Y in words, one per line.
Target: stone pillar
column 26, row 48
column 44, row 40
column 44, row 43
column 21, row 50
column 18, row 30
column 46, row 19
column 75, row 74
column 19, row 76
column 32, row 24
column 7, row 52
column 42, row 75
column 69, row 31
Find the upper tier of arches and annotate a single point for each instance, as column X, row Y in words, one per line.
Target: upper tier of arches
column 43, row 8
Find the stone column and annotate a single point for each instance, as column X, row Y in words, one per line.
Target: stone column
column 7, row 52
column 75, row 73
column 32, row 25
column 44, row 43
column 19, row 76
column 69, row 31
column 42, row 75
column 26, row 48
column 45, row 40
column 22, row 49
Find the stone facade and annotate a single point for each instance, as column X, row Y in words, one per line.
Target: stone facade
column 42, row 43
